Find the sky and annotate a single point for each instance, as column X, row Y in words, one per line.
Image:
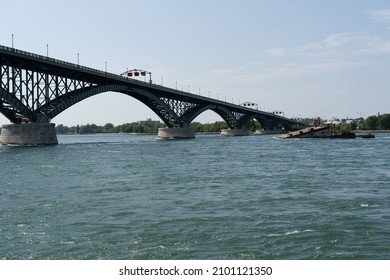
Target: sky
column 305, row 58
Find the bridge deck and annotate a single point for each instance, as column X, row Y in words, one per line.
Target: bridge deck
column 18, row 60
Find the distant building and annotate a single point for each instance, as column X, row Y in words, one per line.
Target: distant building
column 149, row 122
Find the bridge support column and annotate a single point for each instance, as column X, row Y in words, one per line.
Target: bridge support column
column 235, row 132
column 29, row 134
column 176, row 133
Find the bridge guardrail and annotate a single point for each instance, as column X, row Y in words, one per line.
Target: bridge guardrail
column 115, row 76
column 77, row 66
column 62, row 62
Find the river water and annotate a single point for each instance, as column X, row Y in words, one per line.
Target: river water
column 137, row 197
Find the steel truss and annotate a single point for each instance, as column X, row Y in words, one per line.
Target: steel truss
column 25, row 93
column 34, row 88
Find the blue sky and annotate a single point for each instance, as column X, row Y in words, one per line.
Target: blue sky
column 305, row 58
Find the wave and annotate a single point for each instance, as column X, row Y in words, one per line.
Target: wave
column 289, row 233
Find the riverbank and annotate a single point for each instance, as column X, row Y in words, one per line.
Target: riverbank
column 371, row 131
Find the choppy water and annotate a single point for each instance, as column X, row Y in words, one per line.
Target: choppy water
column 136, row 197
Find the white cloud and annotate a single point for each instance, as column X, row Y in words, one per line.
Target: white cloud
column 282, row 72
column 299, row 70
column 275, row 52
column 382, row 16
column 357, row 44
column 335, row 40
column 335, row 45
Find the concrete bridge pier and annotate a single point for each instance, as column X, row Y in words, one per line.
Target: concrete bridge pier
column 29, row 134
column 235, row 132
column 176, row 133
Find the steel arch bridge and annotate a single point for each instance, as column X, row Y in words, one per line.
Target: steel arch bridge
column 35, row 88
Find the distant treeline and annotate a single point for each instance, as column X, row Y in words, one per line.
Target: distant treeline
column 135, row 127
column 378, row 122
column 375, row 122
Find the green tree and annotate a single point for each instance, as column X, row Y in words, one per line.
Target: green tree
column 371, row 123
column 108, row 128
column 61, row 129
column 254, row 125
column 354, row 125
column 197, row 126
column 343, row 128
column 384, row 121
column 93, row 128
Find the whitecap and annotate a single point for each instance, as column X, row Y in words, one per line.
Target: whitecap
column 67, row 242
column 298, row 231
column 290, row 232
column 274, row 234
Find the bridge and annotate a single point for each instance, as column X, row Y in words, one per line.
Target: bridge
column 34, row 89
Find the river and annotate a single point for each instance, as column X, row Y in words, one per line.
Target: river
column 137, row 197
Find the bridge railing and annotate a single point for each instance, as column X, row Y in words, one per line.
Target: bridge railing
column 118, row 77
column 83, row 68
column 65, row 63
